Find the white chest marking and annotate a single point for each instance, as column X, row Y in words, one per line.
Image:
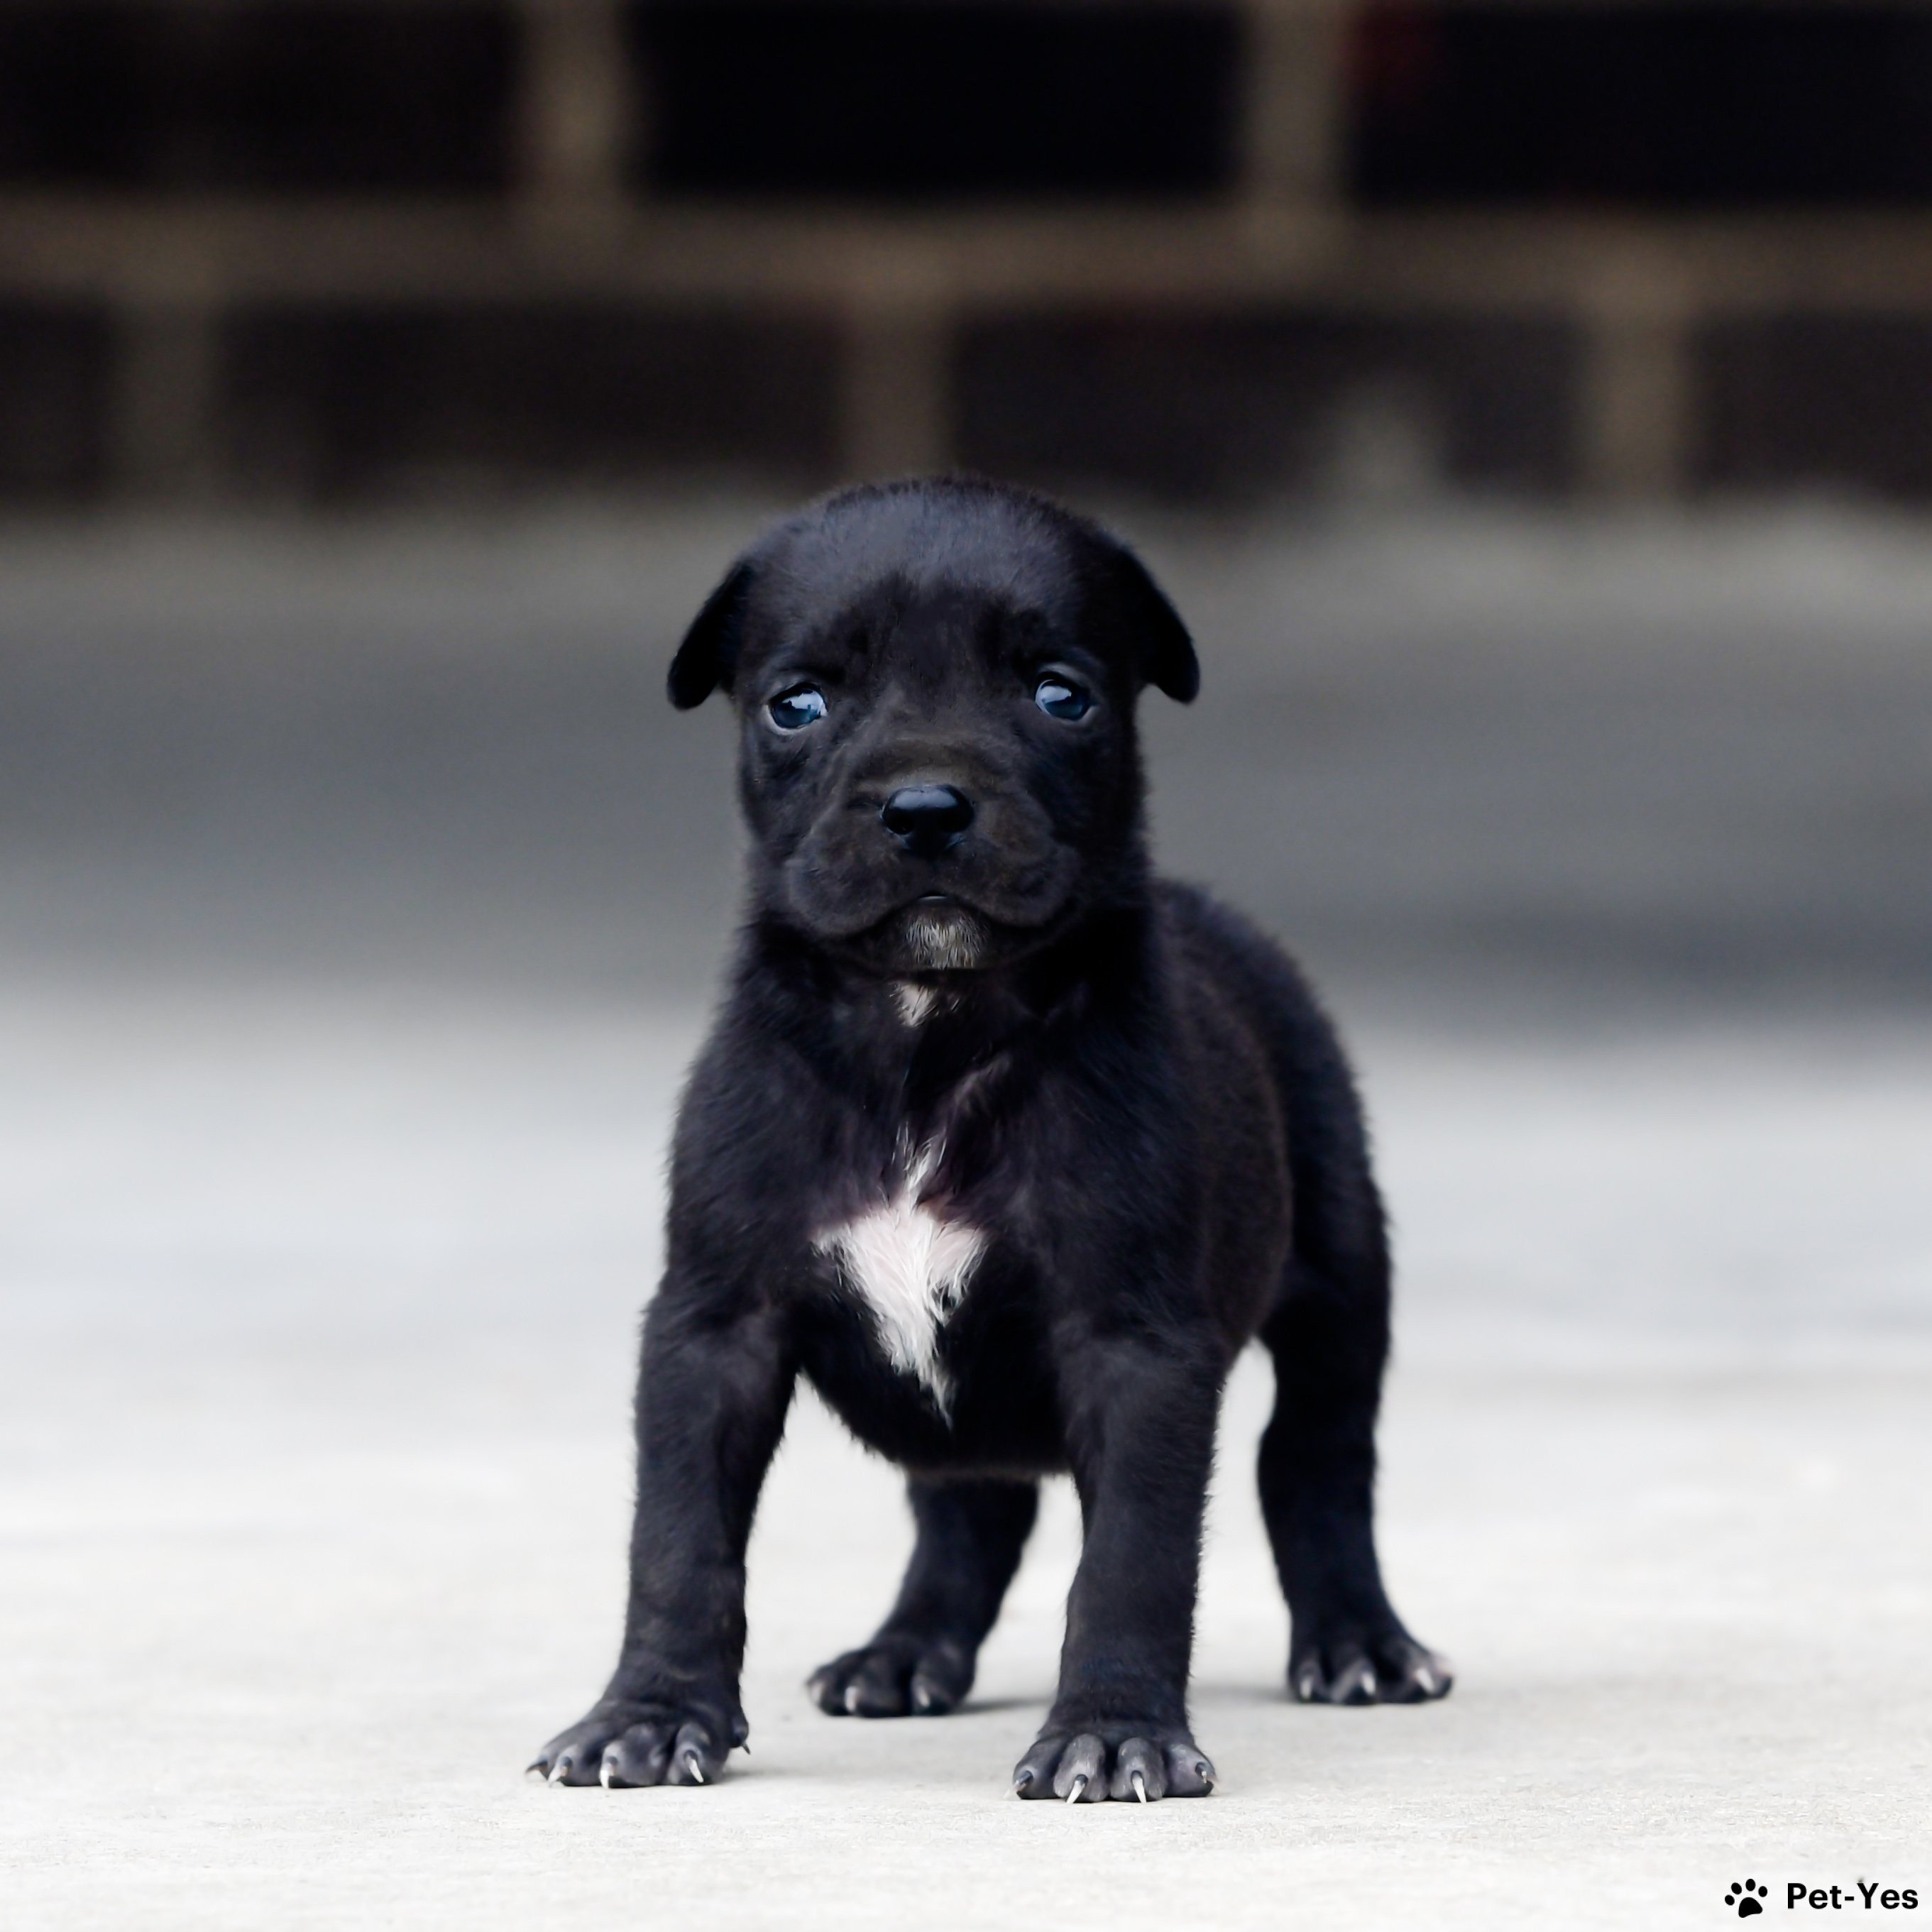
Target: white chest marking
column 915, row 1002
column 912, row 1268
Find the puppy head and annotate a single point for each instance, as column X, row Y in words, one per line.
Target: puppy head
column 935, row 683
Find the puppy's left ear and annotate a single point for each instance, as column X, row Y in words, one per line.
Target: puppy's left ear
column 709, row 655
column 1167, row 659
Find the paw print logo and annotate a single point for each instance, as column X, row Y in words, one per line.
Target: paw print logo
column 1746, row 1897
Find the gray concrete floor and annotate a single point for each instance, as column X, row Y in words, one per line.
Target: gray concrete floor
column 351, row 946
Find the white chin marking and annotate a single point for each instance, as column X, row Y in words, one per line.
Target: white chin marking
column 915, row 1002
column 947, row 941
column 912, row 1268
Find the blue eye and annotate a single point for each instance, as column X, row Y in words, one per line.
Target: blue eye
column 792, row 710
column 1059, row 699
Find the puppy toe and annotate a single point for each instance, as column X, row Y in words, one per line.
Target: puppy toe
column 878, row 1691
column 641, row 1756
column 1140, row 1772
column 1033, row 1776
column 861, row 1684
column 574, row 1756
column 1353, row 1680
column 694, row 1758
column 1189, row 1774
column 940, row 1679
column 1081, row 1776
column 932, row 1695
column 1411, row 1674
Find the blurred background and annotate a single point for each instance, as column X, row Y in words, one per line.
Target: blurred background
column 329, row 251
column 1529, row 404
column 1532, row 404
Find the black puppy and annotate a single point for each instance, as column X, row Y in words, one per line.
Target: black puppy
column 1009, row 1148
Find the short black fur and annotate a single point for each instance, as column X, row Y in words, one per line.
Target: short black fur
column 963, row 1012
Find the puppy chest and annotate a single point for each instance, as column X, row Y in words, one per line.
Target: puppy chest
column 911, row 1268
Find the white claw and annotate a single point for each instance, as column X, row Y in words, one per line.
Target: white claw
column 692, row 1765
column 1427, row 1678
column 1078, row 1785
column 605, row 1771
column 852, row 1700
column 1368, row 1682
column 556, row 1772
column 1140, row 1787
column 921, row 1697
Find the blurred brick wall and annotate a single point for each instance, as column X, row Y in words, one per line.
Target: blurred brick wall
column 353, row 250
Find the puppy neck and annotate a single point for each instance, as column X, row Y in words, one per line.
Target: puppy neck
column 880, row 1037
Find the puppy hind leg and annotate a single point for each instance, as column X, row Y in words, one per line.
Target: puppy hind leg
column 1330, row 1340
column 920, row 1662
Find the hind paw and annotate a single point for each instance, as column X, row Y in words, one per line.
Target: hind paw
column 897, row 1674
column 1366, row 1666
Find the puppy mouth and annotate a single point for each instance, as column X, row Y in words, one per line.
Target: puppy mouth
column 936, row 932
column 938, row 903
column 975, row 908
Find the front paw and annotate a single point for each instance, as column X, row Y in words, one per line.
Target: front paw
column 648, row 1741
column 898, row 1673
column 1351, row 1662
column 1123, row 1759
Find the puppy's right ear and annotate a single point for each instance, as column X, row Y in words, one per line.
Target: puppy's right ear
column 709, row 655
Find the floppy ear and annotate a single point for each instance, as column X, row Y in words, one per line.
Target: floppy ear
column 1167, row 659
column 709, row 653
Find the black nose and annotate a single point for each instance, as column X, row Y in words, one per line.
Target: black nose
column 928, row 818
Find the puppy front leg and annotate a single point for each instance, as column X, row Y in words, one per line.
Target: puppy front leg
column 1143, row 1444
column 711, row 1398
